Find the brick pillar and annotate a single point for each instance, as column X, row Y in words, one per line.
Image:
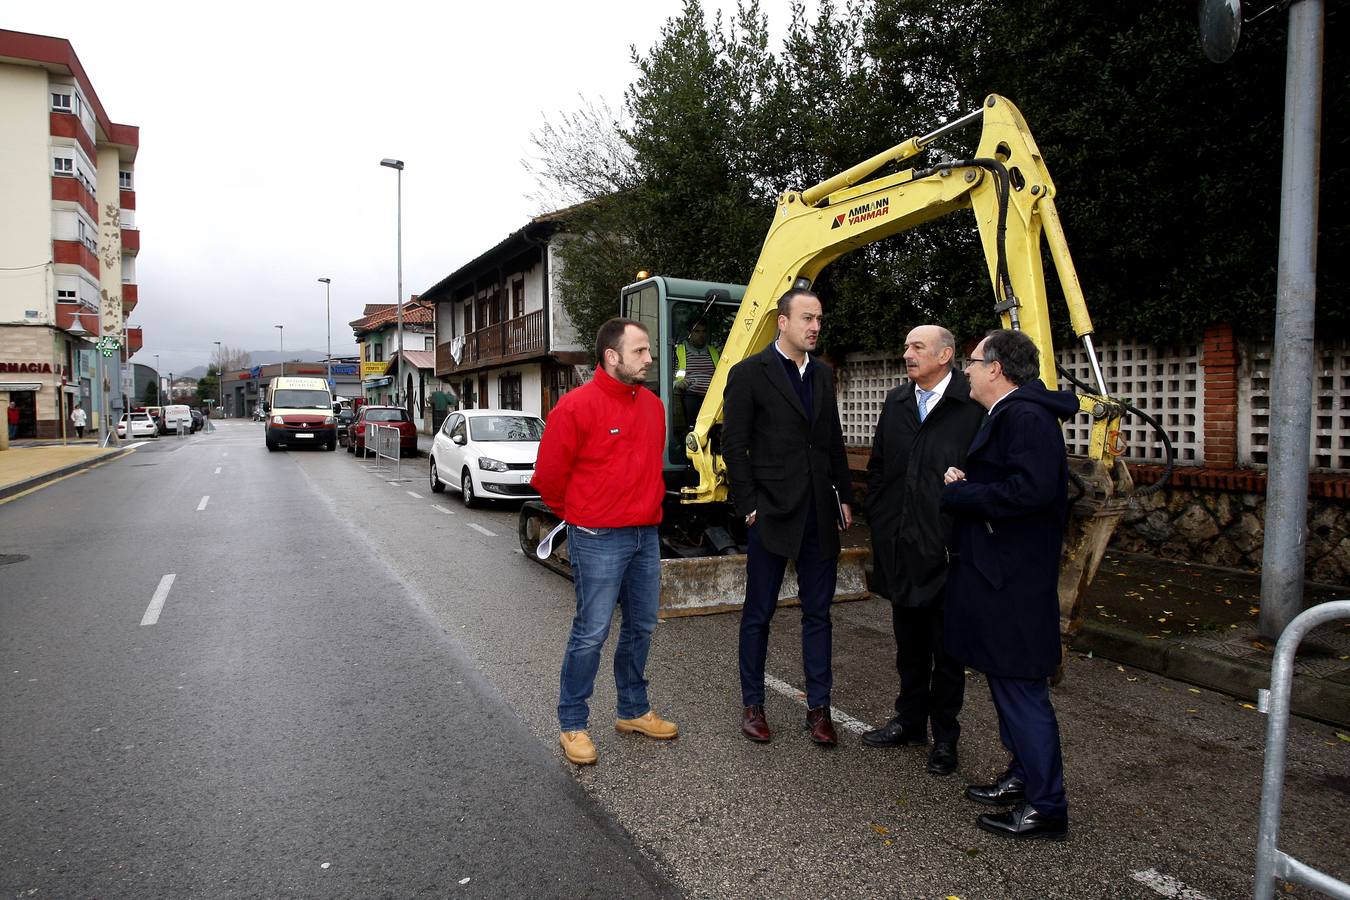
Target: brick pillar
column 1218, row 357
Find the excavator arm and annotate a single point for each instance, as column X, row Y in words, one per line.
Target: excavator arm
column 1005, row 184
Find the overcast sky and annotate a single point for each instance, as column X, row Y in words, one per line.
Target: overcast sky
column 263, row 125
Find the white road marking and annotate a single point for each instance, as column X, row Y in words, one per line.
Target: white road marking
column 413, row 494
column 201, row 506
column 448, row 512
column 157, row 601
column 1167, row 886
column 839, row 716
column 476, row 527
column 217, row 470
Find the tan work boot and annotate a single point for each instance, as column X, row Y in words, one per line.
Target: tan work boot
column 577, row 747
column 650, row 724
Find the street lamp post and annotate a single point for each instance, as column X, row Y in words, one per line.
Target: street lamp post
column 220, row 379
column 281, row 346
column 328, row 324
column 159, row 394
column 397, row 165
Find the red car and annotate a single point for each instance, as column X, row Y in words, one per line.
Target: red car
column 383, row 415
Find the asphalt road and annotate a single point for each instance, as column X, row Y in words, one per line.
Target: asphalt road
column 293, row 723
column 350, row 669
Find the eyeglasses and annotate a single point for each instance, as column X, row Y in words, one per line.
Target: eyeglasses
column 974, row 359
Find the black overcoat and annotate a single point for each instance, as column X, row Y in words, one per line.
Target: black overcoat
column 910, row 537
column 779, row 457
column 1008, row 527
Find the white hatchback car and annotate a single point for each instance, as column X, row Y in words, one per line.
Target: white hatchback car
column 141, row 425
column 487, row 454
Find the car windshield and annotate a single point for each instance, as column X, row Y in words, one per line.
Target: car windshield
column 386, row 415
column 506, row 428
column 300, row 399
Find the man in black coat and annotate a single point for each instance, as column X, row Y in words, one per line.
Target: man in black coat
column 788, row 473
column 1009, row 506
column 925, row 427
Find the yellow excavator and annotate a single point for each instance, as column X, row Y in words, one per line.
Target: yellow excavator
column 1008, row 188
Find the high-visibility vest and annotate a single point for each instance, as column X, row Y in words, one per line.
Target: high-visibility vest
column 680, row 355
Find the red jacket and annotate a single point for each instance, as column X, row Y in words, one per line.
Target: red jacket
column 599, row 463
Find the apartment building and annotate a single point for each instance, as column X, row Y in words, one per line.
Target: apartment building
column 68, row 238
column 377, row 338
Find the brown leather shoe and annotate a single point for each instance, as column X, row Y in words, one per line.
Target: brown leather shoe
column 754, row 725
column 822, row 729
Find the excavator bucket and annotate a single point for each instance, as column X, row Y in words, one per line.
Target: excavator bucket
column 692, row 586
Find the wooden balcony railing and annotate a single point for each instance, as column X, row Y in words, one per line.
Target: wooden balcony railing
column 511, row 338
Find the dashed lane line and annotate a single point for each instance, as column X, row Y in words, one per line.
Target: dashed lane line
column 413, row 494
column 836, row 714
column 157, row 601
column 201, row 506
column 479, row 528
column 217, row 470
column 448, row 512
column 1167, row 886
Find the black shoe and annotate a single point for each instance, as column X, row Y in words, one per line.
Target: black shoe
column 1022, row 821
column 893, row 734
column 1008, row 790
column 942, row 759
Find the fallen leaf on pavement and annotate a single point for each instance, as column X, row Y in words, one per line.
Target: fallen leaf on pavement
column 1193, row 690
column 879, row 829
column 1247, row 706
column 1343, row 736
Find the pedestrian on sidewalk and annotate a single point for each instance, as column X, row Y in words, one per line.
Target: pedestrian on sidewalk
column 784, row 452
column 599, row 470
column 1009, row 505
column 925, row 427
column 79, row 418
column 13, row 414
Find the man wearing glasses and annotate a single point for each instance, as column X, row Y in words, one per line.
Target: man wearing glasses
column 1009, row 507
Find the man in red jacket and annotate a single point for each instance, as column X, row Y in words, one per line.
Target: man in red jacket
column 599, row 470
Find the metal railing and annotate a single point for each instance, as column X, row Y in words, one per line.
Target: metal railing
column 386, row 443
column 1271, row 862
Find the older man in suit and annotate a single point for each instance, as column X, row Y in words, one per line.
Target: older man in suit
column 784, row 452
column 926, row 424
column 1009, row 505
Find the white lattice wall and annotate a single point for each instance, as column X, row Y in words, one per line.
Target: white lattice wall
column 864, row 380
column 1165, row 382
column 1330, row 438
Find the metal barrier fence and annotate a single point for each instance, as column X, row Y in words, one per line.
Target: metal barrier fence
column 384, row 441
column 1271, row 862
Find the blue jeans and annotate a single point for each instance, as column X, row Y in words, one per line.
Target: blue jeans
column 610, row 567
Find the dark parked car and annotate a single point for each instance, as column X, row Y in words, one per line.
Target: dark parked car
column 197, row 420
column 345, row 417
column 383, row 415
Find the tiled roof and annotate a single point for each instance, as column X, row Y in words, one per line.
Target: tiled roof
column 413, row 314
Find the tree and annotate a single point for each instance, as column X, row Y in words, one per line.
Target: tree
column 208, row 386
column 151, row 396
column 229, row 359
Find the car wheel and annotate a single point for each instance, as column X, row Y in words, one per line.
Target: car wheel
column 466, row 490
column 271, row 446
column 437, row 486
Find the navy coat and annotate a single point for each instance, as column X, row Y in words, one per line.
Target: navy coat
column 910, row 537
column 1009, row 514
column 779, row 457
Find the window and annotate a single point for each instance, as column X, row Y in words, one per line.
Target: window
column 431, row 343
column 62, row 165
column 509, row 392
column 60, row 102
column 378, row 351
column 518, row 298
column 124, row 181
column 506, row 428
column 65, row 296
column 468, row 316
column 457, row 428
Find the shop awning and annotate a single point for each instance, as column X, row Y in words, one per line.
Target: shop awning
column 15, row 387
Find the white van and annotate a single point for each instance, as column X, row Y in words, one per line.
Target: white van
column 299, row 411
column 173, row 414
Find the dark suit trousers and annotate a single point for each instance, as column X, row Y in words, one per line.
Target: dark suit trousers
column 815, row 581
column 1027, row 726
column 932, row 684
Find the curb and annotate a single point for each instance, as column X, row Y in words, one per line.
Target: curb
column 19, row 487
column 1310, row 697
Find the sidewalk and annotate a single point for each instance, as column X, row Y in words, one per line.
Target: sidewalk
column 28, row 463
column 1197, row 624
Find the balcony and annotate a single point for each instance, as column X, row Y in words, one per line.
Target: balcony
column 135, row 339
column 129, row 298
column 76, row 253
column 73, row 190
column 131, row 241
column 66, row 312
column 502, row 342
column 66, row 125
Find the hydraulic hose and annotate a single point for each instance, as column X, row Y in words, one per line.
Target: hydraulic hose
column 1153, row 423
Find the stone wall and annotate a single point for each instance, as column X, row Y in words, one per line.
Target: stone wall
column 1227, row 528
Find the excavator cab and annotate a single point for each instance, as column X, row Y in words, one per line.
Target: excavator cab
column 689, row 323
